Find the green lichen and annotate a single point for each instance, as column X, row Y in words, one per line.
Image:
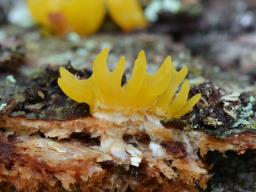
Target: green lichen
column 2, row 106
column 254, row 125
column 245, row 115
column 10, row 79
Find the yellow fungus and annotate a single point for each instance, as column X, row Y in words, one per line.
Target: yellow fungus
column 164, row 93
column 127, row 14
column 61, row 16
column 85, row 16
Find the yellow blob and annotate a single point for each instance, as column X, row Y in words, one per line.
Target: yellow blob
column 143, row 93
column 127, row 14
column 86, row 16
column 62, row 16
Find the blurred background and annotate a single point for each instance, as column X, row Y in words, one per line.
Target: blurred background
column 221, row 32
column 215, row 39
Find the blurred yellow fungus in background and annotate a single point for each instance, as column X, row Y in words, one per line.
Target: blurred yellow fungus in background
column 62, row 16
column 127, row 14
column 85, row 16
column 144, row 93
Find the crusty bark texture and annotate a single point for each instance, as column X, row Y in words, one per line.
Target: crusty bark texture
column 31, row 159
column 34, row 164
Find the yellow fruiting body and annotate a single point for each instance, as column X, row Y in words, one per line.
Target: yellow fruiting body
column 86, row 16
column 127, row 14
column 143, row 93
column 61, row 16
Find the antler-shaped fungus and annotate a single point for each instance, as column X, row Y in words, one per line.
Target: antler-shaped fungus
column 143, row 93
